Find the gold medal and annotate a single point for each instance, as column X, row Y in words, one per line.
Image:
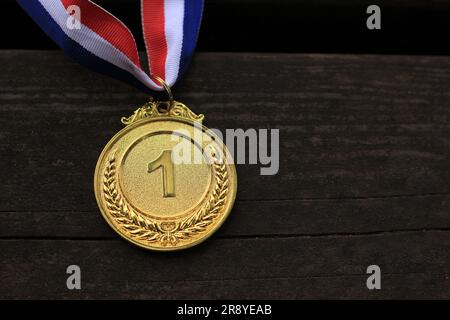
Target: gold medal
column 165, row 182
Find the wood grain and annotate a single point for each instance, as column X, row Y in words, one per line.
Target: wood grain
column 364, row 179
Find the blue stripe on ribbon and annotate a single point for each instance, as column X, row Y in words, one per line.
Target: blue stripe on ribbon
column 193, row 11
column 73, row 49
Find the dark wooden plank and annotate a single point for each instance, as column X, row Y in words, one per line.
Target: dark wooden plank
column 413, row 264
column 364, row 179
column 348, row 127
column 260, row 218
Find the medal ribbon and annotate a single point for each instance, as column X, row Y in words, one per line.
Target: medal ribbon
column 103, row 43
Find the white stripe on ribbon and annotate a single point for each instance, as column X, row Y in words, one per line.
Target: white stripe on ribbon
column 174, row 27
column 95, row 44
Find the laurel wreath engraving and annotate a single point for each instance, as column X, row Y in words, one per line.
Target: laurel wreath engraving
column 165, row 233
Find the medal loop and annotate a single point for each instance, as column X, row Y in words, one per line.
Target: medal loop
column 167, row 89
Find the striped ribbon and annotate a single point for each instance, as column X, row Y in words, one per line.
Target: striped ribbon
column 103, row 43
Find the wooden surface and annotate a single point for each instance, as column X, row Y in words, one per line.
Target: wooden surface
column 364, row 179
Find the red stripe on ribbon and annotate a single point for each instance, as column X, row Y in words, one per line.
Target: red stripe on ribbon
column 107, row 26
column 153, row 24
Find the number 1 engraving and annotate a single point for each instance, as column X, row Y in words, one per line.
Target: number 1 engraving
column 164, row 161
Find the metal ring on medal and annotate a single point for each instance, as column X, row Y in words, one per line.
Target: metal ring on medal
column 165, row 182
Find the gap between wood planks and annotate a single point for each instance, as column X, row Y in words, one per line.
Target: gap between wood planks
column 245, row 237
column 399, row 196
